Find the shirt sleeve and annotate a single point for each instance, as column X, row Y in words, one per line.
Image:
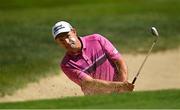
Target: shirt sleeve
column 109, row 49
column 73, row 74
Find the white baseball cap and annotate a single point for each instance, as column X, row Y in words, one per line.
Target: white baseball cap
column 61, row 27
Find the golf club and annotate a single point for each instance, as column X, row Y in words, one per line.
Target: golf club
column 154, row 33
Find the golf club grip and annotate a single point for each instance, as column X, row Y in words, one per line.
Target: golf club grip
column 134, row 80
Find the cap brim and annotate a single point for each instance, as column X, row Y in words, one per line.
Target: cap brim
column 60, row 31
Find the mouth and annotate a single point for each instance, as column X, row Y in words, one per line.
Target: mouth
column 72, row 45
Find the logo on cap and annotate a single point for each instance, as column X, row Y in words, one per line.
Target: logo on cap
column 58, row 27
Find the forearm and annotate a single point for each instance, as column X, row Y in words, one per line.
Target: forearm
column 122, row 70
column 96, row 86
column 123, row 73
column 99, row 84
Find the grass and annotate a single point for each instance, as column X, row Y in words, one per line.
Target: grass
column 29, row 53
column 164, row 99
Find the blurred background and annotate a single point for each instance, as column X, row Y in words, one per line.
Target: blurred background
column 29, row 53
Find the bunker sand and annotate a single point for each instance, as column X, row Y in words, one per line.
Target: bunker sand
column 161, row 71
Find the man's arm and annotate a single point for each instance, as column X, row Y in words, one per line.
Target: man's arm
column 115, row 56
column 122, row 69
column 92, row 86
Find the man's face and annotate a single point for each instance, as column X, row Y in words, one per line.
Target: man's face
column 68, row 40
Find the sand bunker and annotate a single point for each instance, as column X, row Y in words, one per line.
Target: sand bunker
column 161, row 71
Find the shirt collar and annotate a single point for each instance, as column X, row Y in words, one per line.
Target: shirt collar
column 83, row 42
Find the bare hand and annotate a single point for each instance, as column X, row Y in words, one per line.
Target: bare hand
column 129, row 86
column 125, row 87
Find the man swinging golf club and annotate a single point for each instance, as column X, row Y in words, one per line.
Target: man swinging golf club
column 91, row 61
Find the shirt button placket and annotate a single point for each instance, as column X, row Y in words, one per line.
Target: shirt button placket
column 87, row 59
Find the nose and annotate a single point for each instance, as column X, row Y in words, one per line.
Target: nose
column 66, row 40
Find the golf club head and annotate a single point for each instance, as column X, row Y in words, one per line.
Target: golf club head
column 154, row 31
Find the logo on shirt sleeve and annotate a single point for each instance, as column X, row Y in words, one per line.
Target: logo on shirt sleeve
column 115, row 51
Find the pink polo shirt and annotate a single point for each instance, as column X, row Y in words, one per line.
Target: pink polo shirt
column 95, row 60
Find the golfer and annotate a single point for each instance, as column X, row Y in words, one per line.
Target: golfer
column 91, row 61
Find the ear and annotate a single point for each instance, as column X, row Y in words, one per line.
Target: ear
column 74, row 31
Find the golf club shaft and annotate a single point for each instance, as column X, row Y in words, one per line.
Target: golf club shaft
column 144, row 61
